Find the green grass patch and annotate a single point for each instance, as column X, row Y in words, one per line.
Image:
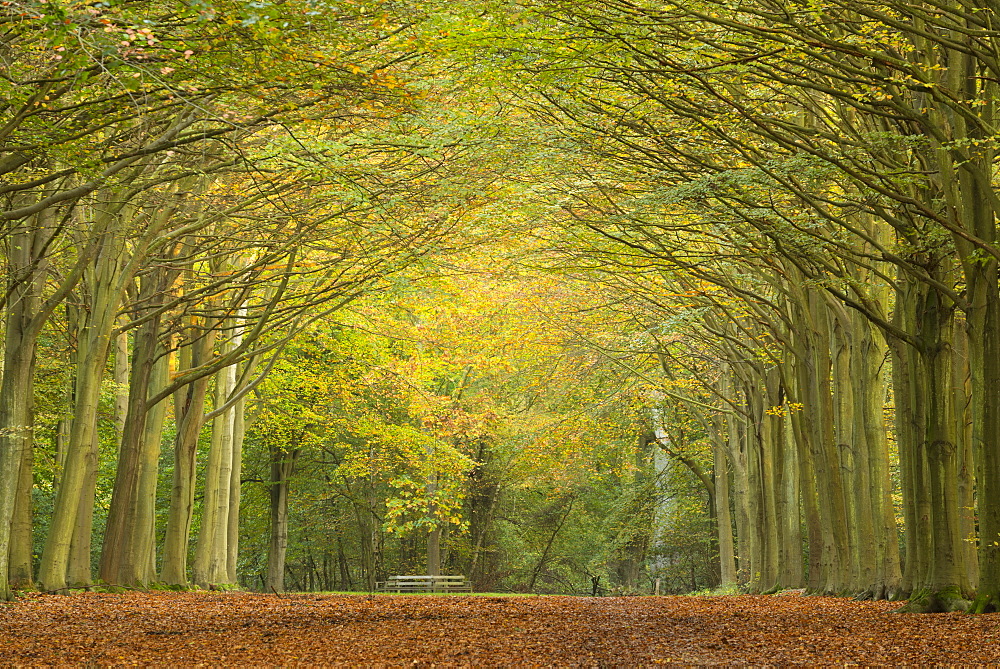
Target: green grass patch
column 381, row 593
column 719, row 591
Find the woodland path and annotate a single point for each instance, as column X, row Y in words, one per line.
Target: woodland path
column 239, row 628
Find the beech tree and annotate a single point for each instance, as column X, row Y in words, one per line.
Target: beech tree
column 843, row 123
column 783, row 219
column 128, row 104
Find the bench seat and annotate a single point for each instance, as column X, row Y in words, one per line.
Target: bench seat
column 424, row 583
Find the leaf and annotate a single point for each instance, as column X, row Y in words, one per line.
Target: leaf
column 158, row 628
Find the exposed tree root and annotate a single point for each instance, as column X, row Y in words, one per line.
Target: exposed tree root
column 941, row 601
column 898, row 595
column 881, row 592
column 984, row 603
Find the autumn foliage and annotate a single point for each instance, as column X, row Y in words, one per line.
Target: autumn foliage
column 240, row 628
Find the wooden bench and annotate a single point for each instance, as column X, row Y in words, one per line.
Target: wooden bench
column 424, row 584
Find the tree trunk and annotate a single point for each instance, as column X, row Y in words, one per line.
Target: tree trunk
column 140, row 560
column 121, row 378
column 984, row 354
column 789, row 512
column 941, row 590
column 73, row 511
column 235, row 492
column 20, row 566
column 737, row 449
column 727, row 554
column 26, row 269
column 21, row 563
column 212, row 554
column 804, row 431
column 123, row 516
column 282, row 466
column 847, row 448
column 874, row 466
column 106, row 279
column 826, row 459
column 961, row 402
column 15, row 427
column 189, row 412
column 125, row 536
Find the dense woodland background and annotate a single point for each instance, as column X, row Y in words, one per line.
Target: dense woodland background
column 563, row 296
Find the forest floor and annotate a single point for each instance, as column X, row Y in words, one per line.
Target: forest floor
column 158, row 628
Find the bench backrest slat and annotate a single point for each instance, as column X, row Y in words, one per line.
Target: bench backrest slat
column 424, row 582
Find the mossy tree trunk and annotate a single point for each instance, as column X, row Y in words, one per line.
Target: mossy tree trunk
column 27, row 310
column 935, row 462
column 66, row 556
column 124, row 554
column 24, row 316
column 874, row 471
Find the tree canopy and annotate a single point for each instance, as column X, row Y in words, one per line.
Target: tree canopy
column 563, row 296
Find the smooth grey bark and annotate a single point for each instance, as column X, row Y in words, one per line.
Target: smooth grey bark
column 875, row 467
column 961, row 401
column 19, row 363
column 434, row 534
column 735, row 441
column 125, row 527
column 716, row 428
column 984, row 355
column 210, row 566
column 789, row 517
column 930, row 459
column 189, row 412
column 121, row 379
column 282, row 466
column 140, row 555
column 25, row 314
column 803, row 424
column 20, row 567
column 772, row 436
column 723, row 514
column 826, row 460
column 235, row 492
column 947, row 571
column 214, row 561
column 848, row 446
column 70, row 526
column 116, row 259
